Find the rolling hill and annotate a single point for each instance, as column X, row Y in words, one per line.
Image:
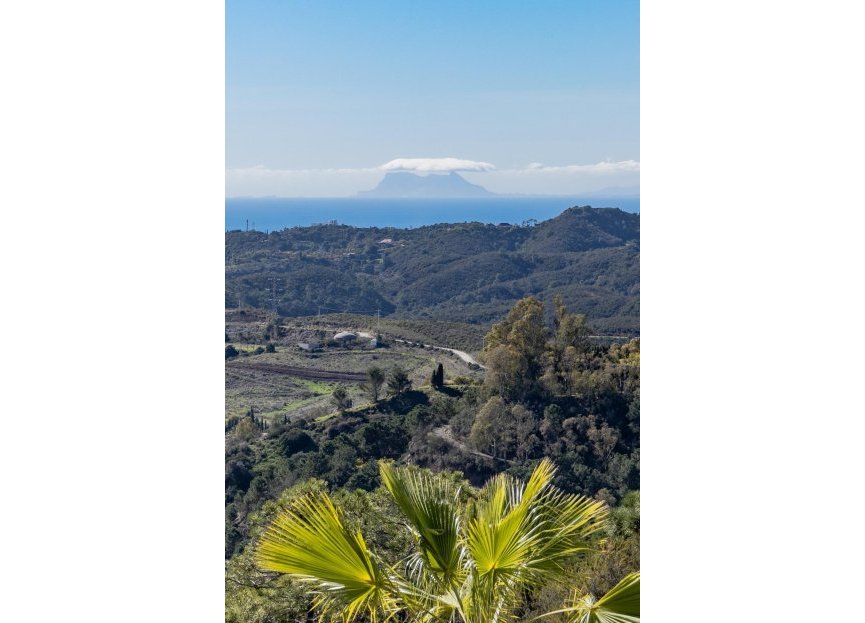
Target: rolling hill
column 458, row 272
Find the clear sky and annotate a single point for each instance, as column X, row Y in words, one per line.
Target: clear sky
column 320, row 95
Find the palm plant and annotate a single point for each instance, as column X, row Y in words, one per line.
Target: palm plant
column 621, row 604
column 473, row 563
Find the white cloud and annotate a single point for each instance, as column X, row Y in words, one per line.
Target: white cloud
column 605, row 167
column 573, row 179
column 436, row 165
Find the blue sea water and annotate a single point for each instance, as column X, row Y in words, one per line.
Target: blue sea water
column 268, row 214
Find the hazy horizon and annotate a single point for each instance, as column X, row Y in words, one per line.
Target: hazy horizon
column 259, row 190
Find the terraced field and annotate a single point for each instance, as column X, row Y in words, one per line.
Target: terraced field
column 297, row 384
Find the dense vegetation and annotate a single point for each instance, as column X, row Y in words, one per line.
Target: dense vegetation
column 476, row 556
column 463, row 272
column 549, row 391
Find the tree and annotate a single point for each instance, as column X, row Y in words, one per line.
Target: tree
column 231, row 351
column 295, row 440
column 506, row 431
column 571, row 329
column 503, row 370
column 568, row 347
column 375, row 378
column 473, row 563
column 515, row 348
column 398, row 381
column 485, row 433
column 383, row 438
column 438, row 377
column 340, row 398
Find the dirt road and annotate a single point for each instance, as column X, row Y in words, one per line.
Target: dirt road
column 459, row 353
column 445, row 432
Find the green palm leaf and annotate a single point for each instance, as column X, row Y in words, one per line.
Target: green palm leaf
column 519, row 534
column 534, row 527
column 568, row 521
column 473, row 563
column 430, row 505
column 621, row 604
column 310, row 542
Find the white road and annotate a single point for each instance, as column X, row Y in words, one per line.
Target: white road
column 459, row 353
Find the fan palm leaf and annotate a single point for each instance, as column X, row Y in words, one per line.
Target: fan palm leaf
column 531, row 527
column 621, row 604
column 431, row 507
column 521, row 533
column 473, row 562
column 310, row 542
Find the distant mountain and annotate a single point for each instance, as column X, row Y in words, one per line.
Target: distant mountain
column 401, row 184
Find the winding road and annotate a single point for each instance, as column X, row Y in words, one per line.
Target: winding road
column 459, row 353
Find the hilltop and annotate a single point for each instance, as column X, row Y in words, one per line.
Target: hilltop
column 457, row 272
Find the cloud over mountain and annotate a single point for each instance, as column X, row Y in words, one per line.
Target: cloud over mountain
column 534, row 178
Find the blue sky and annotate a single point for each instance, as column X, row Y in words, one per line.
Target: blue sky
column 320, row 95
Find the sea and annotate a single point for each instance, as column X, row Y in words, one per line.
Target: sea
column 269, row 214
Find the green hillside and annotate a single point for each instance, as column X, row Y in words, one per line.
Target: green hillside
column 460, row 272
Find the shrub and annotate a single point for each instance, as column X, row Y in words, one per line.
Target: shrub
column 398, row 381
column 294, row 441
column 340, row 398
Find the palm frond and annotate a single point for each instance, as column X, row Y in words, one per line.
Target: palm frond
column 531, row 527
column 430, row 504
column 425, row 606
column 310, row 542
column 567, row 523
column 621, row 604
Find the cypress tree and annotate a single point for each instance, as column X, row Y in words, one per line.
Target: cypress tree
column 438, row 377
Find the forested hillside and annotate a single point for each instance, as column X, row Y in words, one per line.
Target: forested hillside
column 547, row 390
column 310, row 417
column 461, row 272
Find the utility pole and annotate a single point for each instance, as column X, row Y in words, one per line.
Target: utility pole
column 377, row 321
column 247, row 224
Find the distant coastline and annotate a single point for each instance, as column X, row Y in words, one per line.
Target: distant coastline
column 272, row 213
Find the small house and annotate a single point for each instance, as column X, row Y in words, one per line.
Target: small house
column 345, row 337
